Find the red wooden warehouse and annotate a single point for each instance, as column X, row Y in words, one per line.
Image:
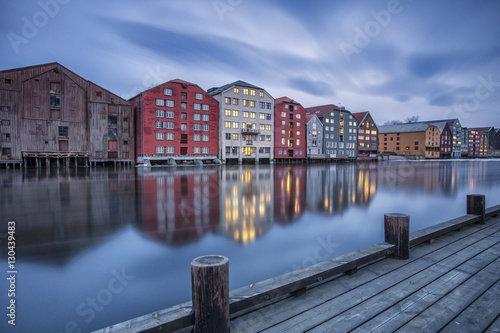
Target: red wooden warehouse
column 176, row 121
column 289, row 129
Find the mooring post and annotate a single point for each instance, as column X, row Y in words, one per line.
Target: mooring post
column 476, row 206
column 397, row 232
column 210, row 292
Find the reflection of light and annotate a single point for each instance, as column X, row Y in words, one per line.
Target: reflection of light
column 288, row 181
column 297, row 206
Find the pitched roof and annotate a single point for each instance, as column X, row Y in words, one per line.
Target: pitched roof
column 164, row 83
column 360, row 116
column 450, row 122
column 482, row 129
column 309, row 117
column 321, row 110
column 218, row 90
column 404, row 128
column 285, row 99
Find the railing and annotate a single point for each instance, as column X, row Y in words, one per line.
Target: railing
column 250, row 131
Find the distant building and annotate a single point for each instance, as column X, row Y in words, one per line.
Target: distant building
column 446, row 137
column 246, row 122
column 459, row 137
column 289, row 129
column 339, row 131
column 51, row 116
column 413, row 139
column 367, row 136
column 176, row 120
column 478, row 142
column 314, row 137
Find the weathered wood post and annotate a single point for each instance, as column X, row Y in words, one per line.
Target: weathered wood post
column 210, row 292
column 476, row 206
column 397, row 232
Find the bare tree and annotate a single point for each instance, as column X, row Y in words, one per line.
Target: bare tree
column 412, row 119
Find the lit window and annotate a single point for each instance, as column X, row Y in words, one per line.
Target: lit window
column 228, row 113
column 228, row 100
column 235, row 136
column 252, row 104
column 252, row 92
column 228, row 124
column 261, row 93
column 252, row 115
column 236, row 90
column 235, row 124
column 245, row 91
column 236, row 101
column 245, row 114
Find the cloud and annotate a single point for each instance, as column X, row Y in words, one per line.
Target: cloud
column 312, row 87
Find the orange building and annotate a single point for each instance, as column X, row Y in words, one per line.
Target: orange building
column 413, row 139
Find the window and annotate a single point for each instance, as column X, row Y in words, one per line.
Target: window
column 6, row 122
column 268, row 127
column 236, row 90
column 184, row 116
column 169, row 114
column 236, row 113
column 205, row 117
column 262, row 116
column 252, row 104
column 261, row 93
column 184, row 95
column 205, row 107
column 252, row 115
column 227, row 124
column 228, row 136
column 112, row 145
column 6, row 152
column 196, row 137
column 228, row 100
column 5, row 108
column 160, row 102
column 204, row 127
column 268, row 116
column 63, row 131
column 167, row 92
column 160, row 113
column 204, row 150
column 199, row 96
column 245, row 91
column 196, row 116
column 283, row 141
column 196, row 127
column 262, row 105
column 160, row 149
column 228, row 113
column 262, row 127
column 196, row 150
column 112, row 120
column 184, row 106
column 112, row 132
column 6, row 137
column 169, row 136
column 205, row 137
column 160, row 136
column 159, row 124
column 7, row 81
column 245, row 114
column 268, row 138
column 252, row 92
column 169, row 150
column 235, row 136
column 235, row 124
column 245, row 102
column 268, row 106
column 236, row 101
column 197, row 106
column 283, row 114
column 168, row 124
column 183, row 127
column 283, row 132
column 55, row 101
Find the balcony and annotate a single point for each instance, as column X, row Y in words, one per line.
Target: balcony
column 250, row 131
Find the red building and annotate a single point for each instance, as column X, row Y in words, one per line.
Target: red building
column 478, row 142
column 289, row 129
column 446, row 140
column 367, row 136
column 176, row 120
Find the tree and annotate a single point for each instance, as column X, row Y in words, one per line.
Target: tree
column 412, row 119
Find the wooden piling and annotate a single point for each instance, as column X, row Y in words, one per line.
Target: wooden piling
column 476, row 206
column 397, row 232
column 210, row 293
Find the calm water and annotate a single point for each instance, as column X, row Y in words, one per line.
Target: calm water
column 99, row 247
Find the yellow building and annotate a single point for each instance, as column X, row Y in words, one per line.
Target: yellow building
column 413, row 139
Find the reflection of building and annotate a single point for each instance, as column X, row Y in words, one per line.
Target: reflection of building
column 289, row 192
column 367, row 136
column 289, row 129
column 246, row 122
column 246, row 201
column 179, row 206
column 50, row 116
column 332, row 189
column 412, row 139
column 62, row 211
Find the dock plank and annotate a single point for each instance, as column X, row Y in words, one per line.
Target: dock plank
column 481, row 314
column 333, row 307
column 454, row 302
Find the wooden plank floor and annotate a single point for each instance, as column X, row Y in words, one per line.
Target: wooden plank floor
column 450, row 285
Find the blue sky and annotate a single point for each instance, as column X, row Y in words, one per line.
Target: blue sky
column 434, row 59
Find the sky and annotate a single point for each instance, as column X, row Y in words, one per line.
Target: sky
column 396, row 59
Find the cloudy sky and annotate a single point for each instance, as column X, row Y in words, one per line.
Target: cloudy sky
column 433, row 59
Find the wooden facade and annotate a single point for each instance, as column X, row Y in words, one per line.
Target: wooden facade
column 367, row 136
column 414, row 139
column 51, row 115
column 289, row 129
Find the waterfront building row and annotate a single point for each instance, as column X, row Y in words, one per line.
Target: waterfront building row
column 51, row 116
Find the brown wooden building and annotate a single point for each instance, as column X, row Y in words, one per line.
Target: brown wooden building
column 413, row 139
column 51, row 116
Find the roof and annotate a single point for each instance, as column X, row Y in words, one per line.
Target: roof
column 164, row 83
column 218, row 90
column 439, row 124
column 360, row 116
column 322, row 110
column 404, row 128
column 309, row 117
column 481, row 129
column 451, row 122
column 285, row 99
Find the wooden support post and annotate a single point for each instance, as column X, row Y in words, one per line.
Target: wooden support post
column 210, row 292
column 397, row 232
column 476, row 206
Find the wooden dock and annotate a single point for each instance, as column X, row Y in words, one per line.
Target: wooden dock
column 451, row 283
